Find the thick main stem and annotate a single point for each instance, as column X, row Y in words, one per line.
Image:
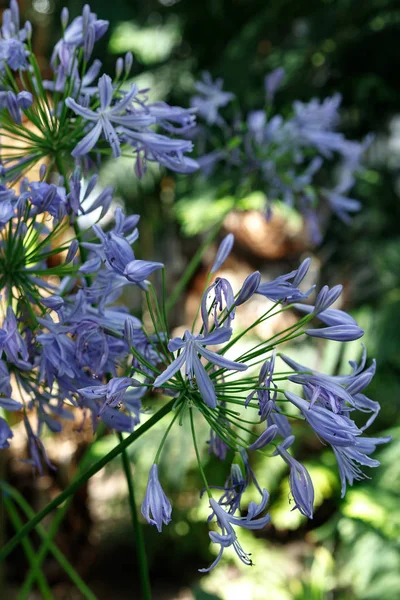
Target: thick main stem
column 137, row 528
column 83, row 478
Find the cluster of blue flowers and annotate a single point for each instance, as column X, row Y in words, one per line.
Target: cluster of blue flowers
column 282, row 156
column 78, row 116
column 70, row 347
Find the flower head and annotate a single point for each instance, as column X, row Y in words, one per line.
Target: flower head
column 190, row 347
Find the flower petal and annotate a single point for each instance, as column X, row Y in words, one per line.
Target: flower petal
column 221, row 361
column 86, row 113
column 88, row 142
column 170, row 370
column 204, row 383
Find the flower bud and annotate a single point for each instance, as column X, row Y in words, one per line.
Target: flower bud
column 73, row 249
column 337, row 333
column 28, row 30
column 128, row 62
column 64, row 17
column 249, row 288
column 119, row 65
column 223, row 252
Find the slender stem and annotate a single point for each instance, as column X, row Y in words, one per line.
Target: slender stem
column 47, row 544
column 192, row 266
column 166, row 433
column 58, row 555
column 83, row 478
column 198, row 454
column 137, row 528
column 28, row 549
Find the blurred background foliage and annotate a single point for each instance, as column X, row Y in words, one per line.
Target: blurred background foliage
column 351, row 548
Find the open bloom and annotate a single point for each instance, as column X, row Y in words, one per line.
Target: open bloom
column 191, row 346
column 336, row 429
column 226, row 521
column 286, row 287
column 210, row 99
column 349, row 458
column 106, row 117
column 111, row 394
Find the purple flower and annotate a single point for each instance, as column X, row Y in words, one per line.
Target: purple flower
column 226, row 521
column 330, row 316
column 15, row 102
column 154, row 147
column 6, row 213
column 156, row 507
column 284, row 289
column 336, row 429
column 337, row 333
column 75, row 36
column 137, row 271
column 57, row 356
column 224, row 250
column 12, row 342
column 249, row 288
column 300, row 481
column 265, row 438
column 337, row 198
column 5, row 434
column 233, row 489
column 12, row 48
column 36, row 450
column 216, row 444
column 115, row 249
column 44, row 197
column 314, row 124
column 223, row 294
column 168, row 117
column 109, row 395
column 326, row 298
column 191, row 346
column 106, row 117
column 116, row 253
column 210, row 99
column 116, row 419
column 77, row 197
column 350, row 457
column 266, row 397
column 334, row 392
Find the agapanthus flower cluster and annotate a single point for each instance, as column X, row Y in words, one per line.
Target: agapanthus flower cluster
column 80, row 114
column 71, row 350
column 283, row 156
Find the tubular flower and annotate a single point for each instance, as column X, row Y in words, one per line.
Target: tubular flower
column 156, row 507
column 226, row 521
